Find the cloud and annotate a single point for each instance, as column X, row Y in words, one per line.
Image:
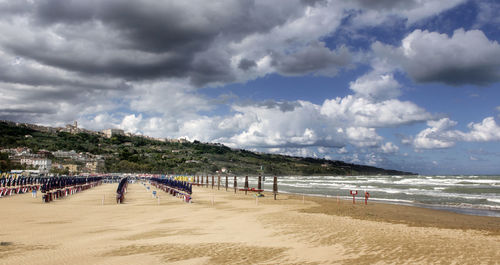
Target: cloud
column 378, row 12
column 389, row 148
column 246, row 64
column 440, row 134
column 261, row 125
column 432, row 137
column 282, row 124
column 138, row 40
column 99, row 122
column 315, row 58
column 284, row 106
column 14, row 8
column 487, row 130
column 363, row 137
column 467, row 57
column 52, row 105
column 386, row 4
column 489, row 13
column 364, row 112
column 271, row 127
column 342, row 150
column 376, row 86
column 130, row 123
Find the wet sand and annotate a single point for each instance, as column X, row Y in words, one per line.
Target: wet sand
column 236, row 229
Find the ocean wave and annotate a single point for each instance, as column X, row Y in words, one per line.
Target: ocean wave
column 391, row 200
column 472, row 190
column 494, row 200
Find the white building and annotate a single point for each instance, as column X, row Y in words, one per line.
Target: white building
column 66, row 154
column 110, row 132
column 43, row 164
column 72, row 128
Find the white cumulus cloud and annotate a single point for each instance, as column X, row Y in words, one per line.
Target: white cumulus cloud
column 440, row 135
column 389, row 147
column 376, row 85
column 363, row 137
column 360, row 111
column 432, row 137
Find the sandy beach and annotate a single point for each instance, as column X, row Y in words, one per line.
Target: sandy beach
column 221, row 227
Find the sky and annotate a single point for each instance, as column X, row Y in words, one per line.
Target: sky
column 410, row 85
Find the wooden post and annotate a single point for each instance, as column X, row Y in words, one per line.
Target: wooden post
column 218, row 182
column 226, row 182
column 259, row 185
column 275, row 187
column 201, row 181
column 246, row 184
column 235, row 185
column 207, row 181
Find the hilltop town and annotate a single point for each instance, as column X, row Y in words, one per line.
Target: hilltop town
column 65, row 161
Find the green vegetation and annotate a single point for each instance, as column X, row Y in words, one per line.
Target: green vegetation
column 5, row 164
column 138, row 154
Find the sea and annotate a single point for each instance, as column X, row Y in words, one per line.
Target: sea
column 474, row 195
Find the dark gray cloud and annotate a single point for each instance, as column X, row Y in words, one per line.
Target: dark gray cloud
column 386, row 4
column 284, row 106
column 29, row 75
column 315, row 58
column 160, row 26
column 210, row 69
column 5, row 110
column 466, row 57
column 456, row 75
column 246, row 64
column 138, row 40
column 12, row 8
column 314, row 2
column 60, row 11
column 94, row 62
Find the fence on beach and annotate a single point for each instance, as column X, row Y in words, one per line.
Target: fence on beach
column 203, row 181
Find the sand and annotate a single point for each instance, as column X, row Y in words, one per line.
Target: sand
column 236, row 229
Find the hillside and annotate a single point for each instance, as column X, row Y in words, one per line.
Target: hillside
column 138, row 154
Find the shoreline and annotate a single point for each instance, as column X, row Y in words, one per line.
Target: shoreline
column 402, row 214
column 380, row 211
column 473, row 211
